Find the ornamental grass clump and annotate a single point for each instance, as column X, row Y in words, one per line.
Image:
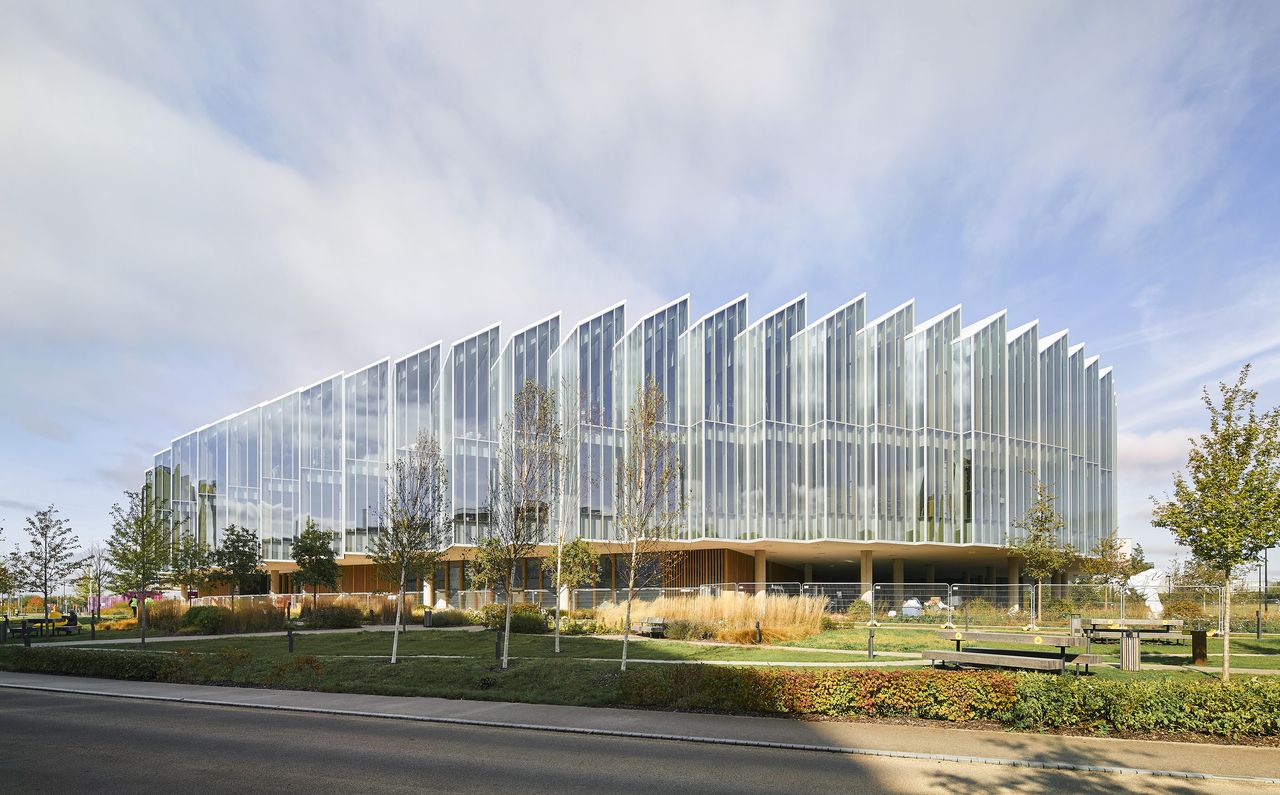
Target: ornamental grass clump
column 725, row 616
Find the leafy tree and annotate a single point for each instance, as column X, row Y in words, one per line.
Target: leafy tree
column 1042, row 552
column 1107, row 562
column 1226, row 507
column 1138, row 562
column 192, row 564
column 579, row 566
column 139, row 549
column 238, row 560
column 50, row 559
column 487, row 569
column 524, row 486
column 415, row 523
column 649, row 502
column 317, row 562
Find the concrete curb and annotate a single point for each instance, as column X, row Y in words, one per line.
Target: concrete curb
column 1065, row 766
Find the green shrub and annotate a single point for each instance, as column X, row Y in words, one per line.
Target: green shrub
column 208, row 620
column 679, row 629
column 1185, row 606
column 939, row 695
column 334, row 618
column 1241, row 707
column 525, row 618
column 141, row 666
column 450, row 618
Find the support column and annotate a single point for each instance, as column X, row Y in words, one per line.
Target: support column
column 930, row 573
column 867, row 579
column 566, row 601
column 760, row 570
column 275, row 582
column 990, row 576
column 808, row 572
column 1015, row 573
column 429, row 591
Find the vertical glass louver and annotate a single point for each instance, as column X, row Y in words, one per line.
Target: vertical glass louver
column 884, row 431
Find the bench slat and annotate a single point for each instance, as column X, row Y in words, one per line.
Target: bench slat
column 1028, row 638
column 1008, row 660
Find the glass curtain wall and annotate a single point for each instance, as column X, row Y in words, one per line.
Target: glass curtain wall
column 935, row 462
column 828, row 402
column 841, row 429
column 772, row 439
column 367, row 452
column 1024, row 419
column 889, row 437
column 321, row 478
column 470, row 427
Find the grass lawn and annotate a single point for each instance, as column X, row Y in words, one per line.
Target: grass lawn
column 480, row 645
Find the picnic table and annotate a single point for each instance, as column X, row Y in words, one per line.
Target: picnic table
column 1027, row 659
column 1131, row 631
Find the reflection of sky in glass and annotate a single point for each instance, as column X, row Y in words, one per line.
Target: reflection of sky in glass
column 888, row 430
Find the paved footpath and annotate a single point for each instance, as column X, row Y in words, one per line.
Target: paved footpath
column 859, row 739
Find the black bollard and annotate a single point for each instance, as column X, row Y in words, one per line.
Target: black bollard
column 871, row 643
column 1258, row 632
column 4, row 630
column 290, row 634
column 759, row 634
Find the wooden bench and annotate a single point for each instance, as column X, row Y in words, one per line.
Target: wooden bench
column 68, row 629
column 653, row 627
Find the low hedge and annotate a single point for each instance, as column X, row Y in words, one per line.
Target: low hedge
column 1244, row 707
column 939, row 695
column 1241, row 707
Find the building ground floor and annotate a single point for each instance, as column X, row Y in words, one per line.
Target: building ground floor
column 755, row 565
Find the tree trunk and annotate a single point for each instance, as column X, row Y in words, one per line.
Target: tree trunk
column 506, row 633
column 631, row 592
column 142, row 618
column 315, row 597
column 1226, row 630
column 395, row 631
column 559, row 553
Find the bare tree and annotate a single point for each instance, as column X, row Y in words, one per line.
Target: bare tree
column 650, row 497
column 524, row 487
column 569, row 476
column 415, row 521
column 97, row 565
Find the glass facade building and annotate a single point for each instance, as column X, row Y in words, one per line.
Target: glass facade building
column 864, row 432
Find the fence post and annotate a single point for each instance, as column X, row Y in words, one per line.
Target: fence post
column 290, row 634
column 1258, row 632
column 871, row 642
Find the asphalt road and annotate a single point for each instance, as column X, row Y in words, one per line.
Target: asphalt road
column 54, row 742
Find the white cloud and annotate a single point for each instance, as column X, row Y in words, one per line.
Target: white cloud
column 205, row 206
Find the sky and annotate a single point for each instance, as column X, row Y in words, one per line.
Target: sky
column 203, row 206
